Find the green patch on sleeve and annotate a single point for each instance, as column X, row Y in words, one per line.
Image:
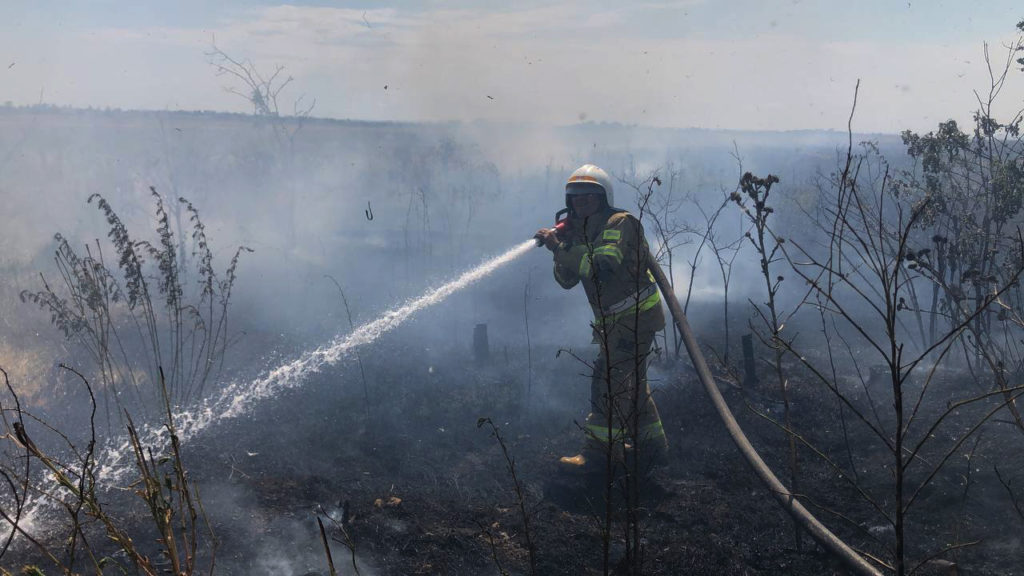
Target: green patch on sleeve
column 611, row 235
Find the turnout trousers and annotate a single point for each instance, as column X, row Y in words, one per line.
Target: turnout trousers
column 622, row 412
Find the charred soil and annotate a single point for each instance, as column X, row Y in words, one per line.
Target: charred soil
column 407, row 483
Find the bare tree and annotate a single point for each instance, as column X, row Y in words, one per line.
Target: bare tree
column 752, row 198
column 967, row 186
column 662, row 201
column 263, row 92
column 725, row 255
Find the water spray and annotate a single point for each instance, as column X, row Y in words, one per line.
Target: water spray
column 238, row 398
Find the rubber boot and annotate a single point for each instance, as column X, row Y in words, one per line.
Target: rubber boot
column 591, row 461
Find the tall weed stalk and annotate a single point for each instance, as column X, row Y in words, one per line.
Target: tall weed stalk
column 138, row 315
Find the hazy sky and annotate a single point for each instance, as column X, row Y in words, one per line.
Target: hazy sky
column 743, row 64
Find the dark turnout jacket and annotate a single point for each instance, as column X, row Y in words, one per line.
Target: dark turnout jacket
column 608, row 254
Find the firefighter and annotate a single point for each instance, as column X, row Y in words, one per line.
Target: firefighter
column 604, row 249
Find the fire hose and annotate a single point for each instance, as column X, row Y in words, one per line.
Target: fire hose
column 782, row 495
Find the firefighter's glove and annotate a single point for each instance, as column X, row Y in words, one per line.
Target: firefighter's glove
column 547, row 237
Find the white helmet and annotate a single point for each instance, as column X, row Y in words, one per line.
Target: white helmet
column 589, row 179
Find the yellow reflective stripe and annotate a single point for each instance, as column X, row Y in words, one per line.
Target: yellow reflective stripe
column 609, row 250
column 585, row 265
column 601, row 432
column 611, row 235
column 651, row 301
column 630, row 301
column 653, row 430
column 645, row 304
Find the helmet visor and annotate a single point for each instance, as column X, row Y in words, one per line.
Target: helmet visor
column 579, row 188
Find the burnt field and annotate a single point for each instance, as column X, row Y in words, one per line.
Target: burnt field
column 232, row 359
column 420, row 488
column 437, row 497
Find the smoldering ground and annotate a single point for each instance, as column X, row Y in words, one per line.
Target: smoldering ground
column 385, row 212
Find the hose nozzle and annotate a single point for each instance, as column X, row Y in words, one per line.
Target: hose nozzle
column 560, row 229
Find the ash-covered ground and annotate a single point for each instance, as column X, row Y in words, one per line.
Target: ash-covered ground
column 421, row 489
column 389, row 441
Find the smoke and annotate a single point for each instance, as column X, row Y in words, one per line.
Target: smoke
column 385, row 210
column 239, row 398
column 255, row 540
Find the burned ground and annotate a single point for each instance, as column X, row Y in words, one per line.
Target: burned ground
column 428, row 492
column 457, row 513
column 423, row 490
